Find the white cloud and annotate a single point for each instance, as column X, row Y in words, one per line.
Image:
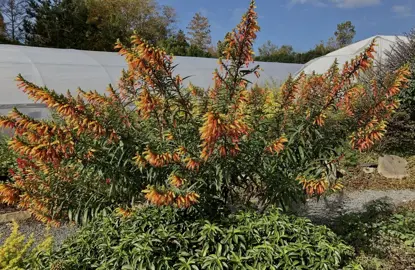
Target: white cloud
column 402, row 11
column 355, row 3
column 338, row 3
column 318, row 3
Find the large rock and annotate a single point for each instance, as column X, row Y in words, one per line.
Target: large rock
column 16, row 216
column 391, row 166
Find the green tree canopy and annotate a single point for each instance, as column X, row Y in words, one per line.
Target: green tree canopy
column 199, row 31
column 56, row 24
column 95, row 24
column 345, row 34
column 176, row 44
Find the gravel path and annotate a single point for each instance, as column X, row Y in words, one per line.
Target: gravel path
column 345, row 202
column 38, row 229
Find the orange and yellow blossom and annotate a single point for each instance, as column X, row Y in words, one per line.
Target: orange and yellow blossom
column 157, row 160
column 159, row 198
column 185, row 201
column 240, row 41
column 314, row 187
column 277, row 146
column 176, row 181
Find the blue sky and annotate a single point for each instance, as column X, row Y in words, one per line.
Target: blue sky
column 302, row 23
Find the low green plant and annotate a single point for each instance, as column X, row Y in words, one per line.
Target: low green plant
column 19, row 251
column 383, row 237
column 167, row 238
column 400, row 135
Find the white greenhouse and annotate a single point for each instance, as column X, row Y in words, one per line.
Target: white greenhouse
column 67, row 69
column 63, row 69
column 323, row 63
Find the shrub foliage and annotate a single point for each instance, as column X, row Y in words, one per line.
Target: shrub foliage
column 383, row 238
column 7, row 159
column 154, row 139
column 159, row 238
column 401, row 128
column 19, row 252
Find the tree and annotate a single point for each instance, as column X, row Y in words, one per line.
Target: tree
column 212, row 51
column 118, row 19
column 57, row 24
column 267, row 49
column 331, row 44
column 169, row 20
column 2, row 27
column 196, row 51
column 199, row 31
column 345, row 34
column 14, row 11
column 270, row 52
column 286, row 49
column 95, row 24
column 176, row 44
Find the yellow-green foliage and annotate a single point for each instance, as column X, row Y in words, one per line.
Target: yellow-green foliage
column 17, row 249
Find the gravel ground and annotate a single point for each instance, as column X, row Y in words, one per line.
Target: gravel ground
column 354, row 201
column 38, row 229
column 6, row 209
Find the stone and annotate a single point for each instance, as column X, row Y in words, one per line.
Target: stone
column 369, row 170
column 16, row 216
column 393, row 167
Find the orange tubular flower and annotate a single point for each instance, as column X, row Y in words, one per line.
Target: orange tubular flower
column 361, row 62
column 157, row 160
column 123, row 212
column 277, row 146
column 157, row 198
column 146, row 104
column 366, row 137
column 314, row 187
column 319, row 120
column 400, row 82
column 241, row 39
column 192, row 164
column 8, row 194
column 211, row 130
column 176, row 181
column 215, row 128
column 139, row 161
column 75, row 117
column 93, row 97
column 289, row 90
column 143, row 60
column 187, row 200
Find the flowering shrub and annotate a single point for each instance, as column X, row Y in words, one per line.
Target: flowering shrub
column 153, row 238
column 154, row 139
column 401, row 128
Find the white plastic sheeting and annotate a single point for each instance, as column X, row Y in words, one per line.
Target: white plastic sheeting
column 63, row 69
column 323, row 63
